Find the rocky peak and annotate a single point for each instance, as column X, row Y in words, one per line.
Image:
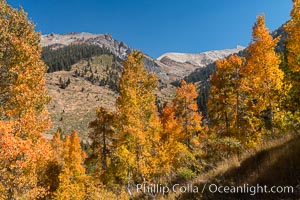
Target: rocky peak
column 108, row 37
column 178, row 65
column 120, row 49
column 199, row 59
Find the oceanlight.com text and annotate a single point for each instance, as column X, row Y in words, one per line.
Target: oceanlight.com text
column 250, row 189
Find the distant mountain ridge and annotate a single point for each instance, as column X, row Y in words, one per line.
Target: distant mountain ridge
column 200, row 59
column 120, row 49
column 92, row 81
column 169, row 66
column 178, row 65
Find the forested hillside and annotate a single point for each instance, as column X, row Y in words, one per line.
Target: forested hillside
column 63, row 58
column 134, row 138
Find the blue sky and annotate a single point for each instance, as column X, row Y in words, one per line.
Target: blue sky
column 159, row 26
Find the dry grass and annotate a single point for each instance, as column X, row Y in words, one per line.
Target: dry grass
column 270, row 154
column 275, row 162
column 236, row 160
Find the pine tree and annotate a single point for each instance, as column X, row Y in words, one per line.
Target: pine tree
column 102, row 137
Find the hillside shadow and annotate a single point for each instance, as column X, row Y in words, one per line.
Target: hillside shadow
column 277, row 166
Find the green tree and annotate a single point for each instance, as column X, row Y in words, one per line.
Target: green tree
column 102, row 138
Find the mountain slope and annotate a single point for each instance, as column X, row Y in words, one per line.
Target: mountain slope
column 105, row 41
column 92, row 80
column 168, row 67
column 119, row 49
column 73, row 107
column 178, row 65
column 200, row 59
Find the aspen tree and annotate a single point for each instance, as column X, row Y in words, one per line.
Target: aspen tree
column 262, row 74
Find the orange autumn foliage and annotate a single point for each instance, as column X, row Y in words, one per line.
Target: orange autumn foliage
column 23, row 93
column 186, row 112
column 292, row 42
column 72, row 178
column 137, row 124
column 22, row 165
column 173, row 149
column 226, row 102
column 25, row 154
column 262, row 76
column 292, row 71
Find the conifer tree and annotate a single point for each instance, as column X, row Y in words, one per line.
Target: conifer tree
column 102, row 137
